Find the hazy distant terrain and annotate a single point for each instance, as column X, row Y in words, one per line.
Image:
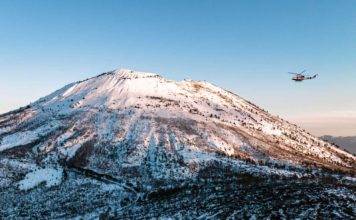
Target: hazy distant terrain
column 347, row 143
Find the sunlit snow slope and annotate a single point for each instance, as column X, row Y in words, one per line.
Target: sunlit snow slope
column 132, row 145
column 128, row 123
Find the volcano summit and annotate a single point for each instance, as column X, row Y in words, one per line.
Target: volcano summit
column 127, row 144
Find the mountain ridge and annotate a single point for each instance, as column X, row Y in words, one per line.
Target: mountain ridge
column 124, row 89
column 145, row 134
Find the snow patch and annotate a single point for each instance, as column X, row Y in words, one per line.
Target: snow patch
column 349, row 178
column 69, row 91
column 50, row 176
column 25, row 137
column 69, row 152
column 126, row 73
column 270, row 129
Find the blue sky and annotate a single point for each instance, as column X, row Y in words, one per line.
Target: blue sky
column 244, row 46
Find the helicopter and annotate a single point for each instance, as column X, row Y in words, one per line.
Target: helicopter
column 298, row 77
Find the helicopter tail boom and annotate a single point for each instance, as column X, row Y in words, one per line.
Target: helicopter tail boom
column 311, row 77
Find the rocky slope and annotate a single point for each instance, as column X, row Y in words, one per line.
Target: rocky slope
column 127, row 144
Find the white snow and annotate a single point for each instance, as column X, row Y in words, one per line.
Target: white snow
column 70, row 151
column 153, row 95
column 270, row 129
column 69, row 91
column 21, row 165
column 113, row 107
column 51, row 176
column 26, row 137
column 349, row 178
column 192, row 155
column 3, row 130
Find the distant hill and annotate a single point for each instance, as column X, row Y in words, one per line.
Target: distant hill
column 347, row 143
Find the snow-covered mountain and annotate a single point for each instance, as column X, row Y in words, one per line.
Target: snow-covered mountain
column 126, row 141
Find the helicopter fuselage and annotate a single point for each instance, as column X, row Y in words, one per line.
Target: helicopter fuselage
column 298, row 78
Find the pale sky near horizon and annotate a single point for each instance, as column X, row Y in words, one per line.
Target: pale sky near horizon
column 244, row 46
